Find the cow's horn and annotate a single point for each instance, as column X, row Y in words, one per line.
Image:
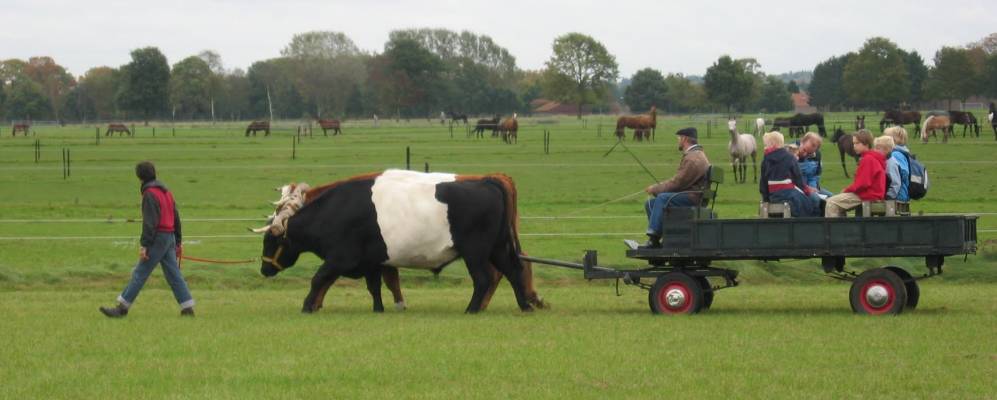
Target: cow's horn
column 260, row 229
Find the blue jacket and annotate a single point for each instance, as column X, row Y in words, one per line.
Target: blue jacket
column 898, row 174
column 811, row 169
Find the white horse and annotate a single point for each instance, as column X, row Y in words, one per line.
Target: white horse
column 742, row 145
column 759, row 126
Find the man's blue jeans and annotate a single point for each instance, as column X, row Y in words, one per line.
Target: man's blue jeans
column 655, row 209
column 162, row 251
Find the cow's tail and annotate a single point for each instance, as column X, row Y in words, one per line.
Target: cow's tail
column 511, row 212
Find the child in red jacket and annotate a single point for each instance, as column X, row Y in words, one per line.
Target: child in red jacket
column 870, row 177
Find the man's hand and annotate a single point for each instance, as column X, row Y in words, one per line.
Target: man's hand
column 143, row 254
column 649, row 190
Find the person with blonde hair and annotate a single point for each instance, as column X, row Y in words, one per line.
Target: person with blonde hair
column 870, row 177
column 781, row 180
column 898, row 166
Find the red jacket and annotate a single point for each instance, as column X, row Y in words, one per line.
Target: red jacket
column 870, row 177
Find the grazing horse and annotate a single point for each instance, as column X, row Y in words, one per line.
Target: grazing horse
column 800, row 122
column 993, row 119
column 404, row 219
column 859, row 122
column 483, row 124
column 24, row 128
column 509, row 129
column 967, row 120
column 742, row 145
column 641, row 124
column 258, row 126
column 781, row 122
column 455, row 116
column 759, row 126
column 900, row 118
column 120, row 128
column 845, row 146
column 934, row 123
column 328, row 124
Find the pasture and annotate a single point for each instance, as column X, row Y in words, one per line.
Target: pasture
column 68, row 245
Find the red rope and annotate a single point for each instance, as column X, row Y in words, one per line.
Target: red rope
column 208, row 260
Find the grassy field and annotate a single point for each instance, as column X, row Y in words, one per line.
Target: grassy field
column 68, row 245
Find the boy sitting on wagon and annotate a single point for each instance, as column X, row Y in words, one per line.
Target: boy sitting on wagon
column 870, row 177
column 781, row 179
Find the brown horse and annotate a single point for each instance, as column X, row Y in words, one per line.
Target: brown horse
column 258, row 126
column 901, row 118
column 24, row 128
column 934, row 123
column 845, row 146
column 509, row 129
column 120, row 128
column 642, row 125
column 328, row 124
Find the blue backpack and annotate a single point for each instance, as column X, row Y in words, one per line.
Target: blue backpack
column 918, row 187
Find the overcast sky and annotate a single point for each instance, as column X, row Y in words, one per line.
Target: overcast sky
column 671, row 36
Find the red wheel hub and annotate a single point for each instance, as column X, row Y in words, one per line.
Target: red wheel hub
column 674, row 298
column 877, row 297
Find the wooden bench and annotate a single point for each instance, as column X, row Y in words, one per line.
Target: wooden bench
column 779, row 210
column 884, row 208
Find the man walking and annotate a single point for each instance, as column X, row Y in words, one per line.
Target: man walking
column 160, row 243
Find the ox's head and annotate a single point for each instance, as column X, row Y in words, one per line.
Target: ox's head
column 279, row 252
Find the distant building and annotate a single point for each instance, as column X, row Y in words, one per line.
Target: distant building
column 551, row 107
column 801, row 103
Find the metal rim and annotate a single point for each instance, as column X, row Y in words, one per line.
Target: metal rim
column 674, row 298
column 877, row 296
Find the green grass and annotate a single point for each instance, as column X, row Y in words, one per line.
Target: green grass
column 764, row 341
column 66, row 246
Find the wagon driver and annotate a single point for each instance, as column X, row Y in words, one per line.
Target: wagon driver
column 684, row 189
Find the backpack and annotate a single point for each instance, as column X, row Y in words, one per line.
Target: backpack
column 918, row 187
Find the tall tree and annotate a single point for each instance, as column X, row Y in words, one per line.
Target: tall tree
column 826, row 88
column 144, row 86
column 460, row 49
column 415, row 73
column 55, row 82
column 877, row 75
column 320, row 44
column 728, row 82
column 190, row 87
column 580, row 70
column 95, row 93
column 647, row 88
column 953, row 76
column 271, row 82
column 232, row 100
column 11, row 68
column 3, row 98
column 990, row 74
column 917, row 72
column 793, row 87
column 775, row 96
column 26, row 100
column 684, row 95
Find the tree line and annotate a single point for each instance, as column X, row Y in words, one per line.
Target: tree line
column 422, row 72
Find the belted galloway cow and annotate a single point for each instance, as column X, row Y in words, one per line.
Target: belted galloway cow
column 370, row 224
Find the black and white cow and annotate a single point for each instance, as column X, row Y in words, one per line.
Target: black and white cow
column 406, row 219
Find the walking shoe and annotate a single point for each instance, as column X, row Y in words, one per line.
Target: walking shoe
column 187, row 312
column 653, row 242
column 115, row 312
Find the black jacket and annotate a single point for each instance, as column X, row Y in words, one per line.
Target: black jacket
column 779, row 165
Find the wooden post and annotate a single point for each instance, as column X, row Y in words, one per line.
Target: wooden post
column 408, row 158
column 69, row 164
column 175, row 131
column 451, row 131
column 427, row 167
column 599, row 134
column 96, row 135
column 294, row 148
column 154, row 131
column 63, row 163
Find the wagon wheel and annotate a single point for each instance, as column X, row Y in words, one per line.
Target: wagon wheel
column 676, row 293
column 878, row 291
column 707, row 292
column 913, row 291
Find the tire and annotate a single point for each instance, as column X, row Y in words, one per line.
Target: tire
column 707, row 292
column 878, row 291
column 913, row 290
column 676, row 293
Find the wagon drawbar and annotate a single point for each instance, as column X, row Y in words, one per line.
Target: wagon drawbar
column 679, row 271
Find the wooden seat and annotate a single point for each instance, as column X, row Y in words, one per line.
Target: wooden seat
column 778, row 210
column 883, row 208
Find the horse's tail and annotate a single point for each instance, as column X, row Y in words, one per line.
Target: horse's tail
column 924, row 128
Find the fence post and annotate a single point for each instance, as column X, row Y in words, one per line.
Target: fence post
column 294, row 148
column 174, row 131
column 96, row 135
column 63, row 163
column 427, row 167
column 154, row 131
column 408, row 158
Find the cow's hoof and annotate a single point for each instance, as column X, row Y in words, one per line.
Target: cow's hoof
column 379, row 309
column 400, row 306
column 307, row 309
